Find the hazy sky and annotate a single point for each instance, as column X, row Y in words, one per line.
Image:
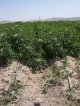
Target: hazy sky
column 16, row 10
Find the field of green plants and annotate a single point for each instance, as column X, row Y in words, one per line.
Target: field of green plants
column 36, row 43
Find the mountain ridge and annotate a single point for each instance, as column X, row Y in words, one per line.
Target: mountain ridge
column 63, row 19
column 48, row 19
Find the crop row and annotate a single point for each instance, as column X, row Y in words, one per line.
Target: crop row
column 34, row 44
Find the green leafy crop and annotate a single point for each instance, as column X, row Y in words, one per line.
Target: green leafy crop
column 35, row 43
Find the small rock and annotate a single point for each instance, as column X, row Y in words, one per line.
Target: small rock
column 29, row 78
column 37, row 102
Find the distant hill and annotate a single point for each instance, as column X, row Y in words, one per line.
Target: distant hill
column 49, row 19
column 58, row 19
column 5, row 21
column 63, row 19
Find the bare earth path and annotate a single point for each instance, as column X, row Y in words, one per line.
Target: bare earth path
column 32, row 87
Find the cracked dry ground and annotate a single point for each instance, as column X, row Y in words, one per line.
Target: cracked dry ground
column 32, row 87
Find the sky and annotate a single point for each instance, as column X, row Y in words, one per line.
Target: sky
column 23, row 10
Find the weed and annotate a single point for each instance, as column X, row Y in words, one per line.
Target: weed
column 10, row 95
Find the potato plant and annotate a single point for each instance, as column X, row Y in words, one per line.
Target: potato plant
column 35, row 43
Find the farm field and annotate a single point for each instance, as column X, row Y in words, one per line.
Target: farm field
column 36, row 43
column 40, row 61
